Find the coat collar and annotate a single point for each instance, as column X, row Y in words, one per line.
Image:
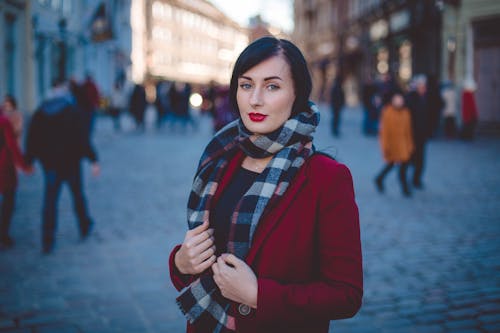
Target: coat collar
column 272, row 217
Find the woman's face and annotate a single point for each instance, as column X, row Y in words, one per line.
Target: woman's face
column 265, row 95
column 7, row 105
column 398, row 101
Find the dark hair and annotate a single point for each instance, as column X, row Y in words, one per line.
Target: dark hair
column 12, row 100
column 265, row 48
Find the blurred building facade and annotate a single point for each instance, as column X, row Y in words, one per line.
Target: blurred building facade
column 317, row 23
column 447, row 39
column 49, row 40
column 366, row 38
column 259, row 28
column 16, row 49
column 471, row 50
column 184, row 40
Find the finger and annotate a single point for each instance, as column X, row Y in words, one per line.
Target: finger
column 206, row 264
column 199, row 229
column 232, row 260
column 215, row 268
column 207, row 254
column 193, row 241
column 205, row 245
column 221, row 264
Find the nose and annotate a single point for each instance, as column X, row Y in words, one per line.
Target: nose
column 256, row 98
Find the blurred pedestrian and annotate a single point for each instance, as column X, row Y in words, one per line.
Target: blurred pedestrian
column 418, row 104
column 138, row 105
column 396, row 141
column 435, row 105
column 14, row 115
column 162, row 102
column 450, row 109
column 224, row 113
column 179, row 99
column 337, row 103
column 57, row 137
column 185, row 110
column 372, row 103
column 91, row 102
column 272, row 224
column 10, row 158
column 469, row 110
column 118, row 103
column 210, row 96
column 385, row 88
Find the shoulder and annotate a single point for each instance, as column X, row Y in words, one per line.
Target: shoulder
column 321, row 167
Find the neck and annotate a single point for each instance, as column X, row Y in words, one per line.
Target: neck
column 255, row 164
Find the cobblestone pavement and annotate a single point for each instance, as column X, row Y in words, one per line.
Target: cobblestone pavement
column 432, row 262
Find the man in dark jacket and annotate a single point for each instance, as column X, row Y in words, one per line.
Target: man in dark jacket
column 57, row 138
column 418, row 103
column 337, row 103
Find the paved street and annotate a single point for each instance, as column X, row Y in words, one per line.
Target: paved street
column 432, row 262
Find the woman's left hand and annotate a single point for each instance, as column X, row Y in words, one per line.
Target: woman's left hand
column 236, row 280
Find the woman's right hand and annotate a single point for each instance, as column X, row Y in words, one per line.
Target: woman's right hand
column 197, row 252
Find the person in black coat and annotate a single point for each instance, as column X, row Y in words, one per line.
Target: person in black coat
column 138, row 105
column 418, row 103
column 57, row 137
column 337, row 103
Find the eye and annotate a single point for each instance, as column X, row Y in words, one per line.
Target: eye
column 245, row 86
column 272, row 87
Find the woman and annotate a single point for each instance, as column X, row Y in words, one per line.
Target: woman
column 273, row 244
column 14, row 115
column 396, row 141
column 10, row 158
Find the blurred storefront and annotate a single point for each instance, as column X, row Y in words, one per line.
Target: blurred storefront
column 188, row 41
column 47, row 40
column 16, row 67
column 471, row 50
column 365, row 39
column 317, row 23
column 399, row 37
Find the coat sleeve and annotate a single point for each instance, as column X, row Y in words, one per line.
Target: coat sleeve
column 384, row 133
column 336, row 291
column 179, row 280
column 13, row 146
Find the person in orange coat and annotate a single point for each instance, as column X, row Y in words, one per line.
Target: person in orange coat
column 396, row 141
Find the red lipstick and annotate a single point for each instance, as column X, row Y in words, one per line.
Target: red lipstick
column 257, row 117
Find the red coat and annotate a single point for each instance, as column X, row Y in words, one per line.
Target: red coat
column 469, row 108
column 10, row 156
column 306, row 254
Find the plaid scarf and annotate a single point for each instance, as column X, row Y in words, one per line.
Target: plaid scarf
column 290, row 145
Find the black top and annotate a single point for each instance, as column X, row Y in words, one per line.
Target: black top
column 225, row 206
column 57, row 135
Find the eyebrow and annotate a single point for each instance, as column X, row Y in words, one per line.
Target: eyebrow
column 265, row 79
